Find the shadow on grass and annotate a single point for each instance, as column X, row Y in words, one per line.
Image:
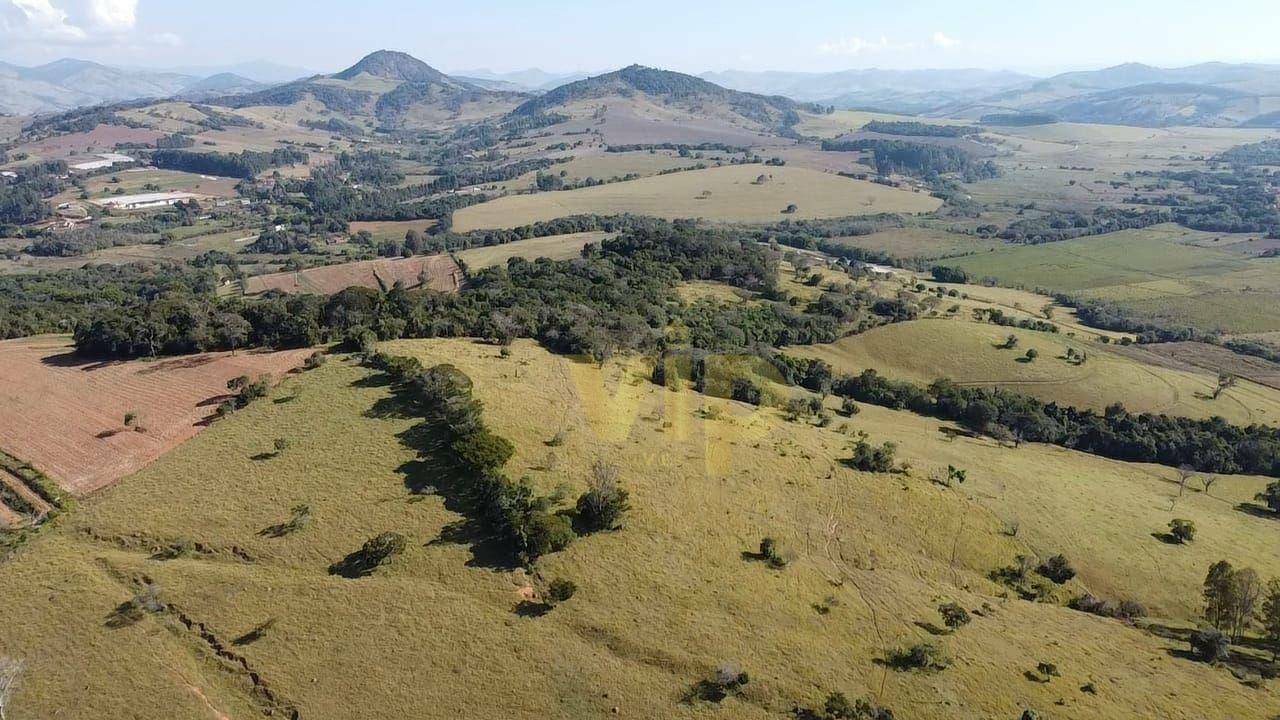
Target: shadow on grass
column 437, row 472
column 1247, row 655
column 1257, row 511
column 1166, row 538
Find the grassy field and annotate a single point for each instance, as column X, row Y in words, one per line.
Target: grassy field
column 391, row 229
column 660, row 603
column 1163, row 272
column 556, row 247
column 925, row 350
column 141, row 180
column 724, row 194
column 843, row 121
column 920, row 242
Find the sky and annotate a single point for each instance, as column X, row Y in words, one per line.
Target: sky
column 589, row 35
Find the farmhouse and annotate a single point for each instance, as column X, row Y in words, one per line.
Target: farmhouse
column 143, row 201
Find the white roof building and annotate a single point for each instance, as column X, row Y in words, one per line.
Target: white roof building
column 144, row 200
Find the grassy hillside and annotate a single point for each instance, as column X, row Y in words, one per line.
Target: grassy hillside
column 969, row 353
column 660, row 603
column 725, row 193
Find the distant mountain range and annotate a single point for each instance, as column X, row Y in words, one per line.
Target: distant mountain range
column 393, row 85
column 1211, row 94
column 66, row 84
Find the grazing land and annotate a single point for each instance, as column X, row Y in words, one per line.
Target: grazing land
column 725, row 194
column 391, row 229
column 438, row 272
column 1162, row 273
column 970, row 354
column 659, row 604
column 65, row 414
column 556, row 247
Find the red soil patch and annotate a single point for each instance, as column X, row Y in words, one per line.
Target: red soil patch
column 437, row 272
column 65, row 414
column 101, row 138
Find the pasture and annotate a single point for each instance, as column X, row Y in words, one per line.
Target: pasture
column 1164, row 273
column 556, row 247
column 969, row 353
column 438, row 272
column 64, row 414
column 728, row 194
column 391, row 229
column 659, row 604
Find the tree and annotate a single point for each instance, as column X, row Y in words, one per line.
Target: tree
column 1270, row 496
column 1225, row 380
column 10, row 675
column 1184, row 531
column 280, row 445
column 790, row 209
column 953, row 616
column 604, row 503
column 1210, row 645
column 1271, row 616
column 1032, row 354
column 1246, row 591
column 1057, row 569
column 1217, row 594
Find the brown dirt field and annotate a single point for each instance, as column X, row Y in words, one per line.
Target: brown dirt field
column 64, row 414
column 440, row 271
column 1203, row 356
column 103, row 137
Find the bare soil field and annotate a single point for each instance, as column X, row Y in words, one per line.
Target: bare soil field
column 728, row 194
column 103, row 137
column 438, row 272
column 65, row 414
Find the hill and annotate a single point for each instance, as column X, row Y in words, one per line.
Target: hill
column 637, row 84
column 1209, row 94
column 66, row 84
column 239, row 615
column 392, row 89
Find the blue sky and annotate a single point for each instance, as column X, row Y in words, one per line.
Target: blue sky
column 814, row 35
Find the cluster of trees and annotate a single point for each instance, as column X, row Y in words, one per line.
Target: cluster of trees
column 1211, row 445
column 1064, row 225
column 1234, row 598
column 924, row 160
column 1108, row 315
column 243, row 165
column 22, row 199
column 919, row 129
column 527, row 523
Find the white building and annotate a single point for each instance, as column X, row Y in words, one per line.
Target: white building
column 105, row 160
column 144, row 200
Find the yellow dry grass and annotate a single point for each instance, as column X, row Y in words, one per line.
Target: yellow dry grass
column 659, row 604
column 922, row 351
column 556, row 247
column 723, row 194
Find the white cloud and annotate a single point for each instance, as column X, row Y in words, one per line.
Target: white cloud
column 167, row 39
column 856, row 46
column 118, row 15
column 941, row 40
column 68, row 22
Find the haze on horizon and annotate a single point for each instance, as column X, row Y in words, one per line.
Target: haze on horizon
column 576, row 35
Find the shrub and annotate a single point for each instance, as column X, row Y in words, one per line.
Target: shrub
column 922, row 656
column 849, row 408
column 953, row 616
column 745, row 390
column 870, row 458
column 314, row 360
column 484, row 451
column 1184, row 531
column 560, row 590
column 838, row 707
column 376, row 552
column 1057, row 569
column 604, row 503
column 1210, row 645
column 771, row 553
column 727, row 680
